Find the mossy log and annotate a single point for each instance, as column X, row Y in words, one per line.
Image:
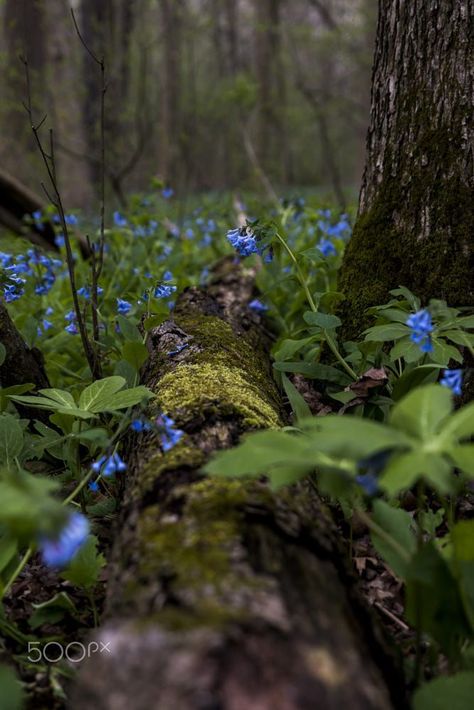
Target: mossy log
column 223, row 594
column 416, row 212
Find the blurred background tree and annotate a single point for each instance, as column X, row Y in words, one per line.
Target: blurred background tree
column 205, row 94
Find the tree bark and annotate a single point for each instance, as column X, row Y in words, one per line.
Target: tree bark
column 221, row 593
column 416, row 212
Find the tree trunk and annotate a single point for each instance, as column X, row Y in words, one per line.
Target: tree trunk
column 416, row 213
column 221, row 593
column 172, row 12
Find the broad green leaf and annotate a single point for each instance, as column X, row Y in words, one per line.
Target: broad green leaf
column 433, row 599
column 407, row 350
column 414, row 378
column 443, row 352
column 11, row 438
column 421, row 412
column 463, row 457
column 390, row 331
column 404, row 470
column 5, row 393
column 462, row 537
column 124, row 369
column 92, row 397
column 11, row 692
column 297, row 402
column 398, row 525
column 65, row 399
column 352, row 437
column 314, row 371
column 85, row 566
column 39, row 402
column 460, row 425
column 453, row 693
column 135, row 353
column 124, row 399
column 395, row 315
column 288, row 347
column 258, row 453
column 129, row 331
column 459, row 337
column 8, row 550
column 326, row 321
column 52, row 610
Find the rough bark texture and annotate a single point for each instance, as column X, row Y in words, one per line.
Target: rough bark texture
column 222, row 594
column 22, row 364
column 416, row 213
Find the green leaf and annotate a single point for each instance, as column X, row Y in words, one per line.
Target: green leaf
column 84, row 569
column 398, row 524
column 314, row 371
column 8, row 550
column 443, row 352
column 463, row 457
column 460, row 425
column 459, row 337
column 129, row 331
column 405, row 470
column 258, row 453
column 351, row 437
column 390, row 331
column 462, row 538
column 3, row 353
column 410, row 379
column 39, row 402
column 5, row 392
column 92, row 397
column 11, row 692
column 297, row 402
column 287, row 348
column 124, row 399
column 52, row 610
column 407, row 350
column 65, row 399
column 422, row 411
column 135, row 353
column 325, row 321
column 455, row 693
column 11, row 438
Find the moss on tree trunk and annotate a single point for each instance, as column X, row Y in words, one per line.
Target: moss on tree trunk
column 223, row 594
column 416, row 214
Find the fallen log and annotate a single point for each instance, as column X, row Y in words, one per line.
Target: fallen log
column 222, row 594
column 16, row 202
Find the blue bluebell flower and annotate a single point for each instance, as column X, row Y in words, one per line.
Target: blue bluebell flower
column 108, row 465
column 257, row 306
column 123, row 307
column 71, row 220
column 119, row 220
column 169, row 435
column 189, row 233
column 49, row 311
column 93, row 486
column 47, row 324
column 421, row 326
column 37, row 215
column 70, row 316
column 167, row 192
column 178, row 349
column 453, row 380
column 13, row 289
column 167, row 276
column 369, row 482
column 72, row 329
column 206, row 241
column 243, row 240
column 326, row 247
column 59, row 240
column 164, row 291
column 59, row 551
column 138, row 425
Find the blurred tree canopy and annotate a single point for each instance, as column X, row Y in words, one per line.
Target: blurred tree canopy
column 205, row 94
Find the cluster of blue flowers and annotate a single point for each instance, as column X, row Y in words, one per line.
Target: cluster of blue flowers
column 60, row 550
column 169, row 435
column 109, row 465
column 71, row 318
column 453, row 380
column 33, row 264
column 421, row 326
column 245, row 242
column 326, row 247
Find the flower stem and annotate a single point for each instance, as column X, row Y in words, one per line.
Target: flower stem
column 17, row 570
